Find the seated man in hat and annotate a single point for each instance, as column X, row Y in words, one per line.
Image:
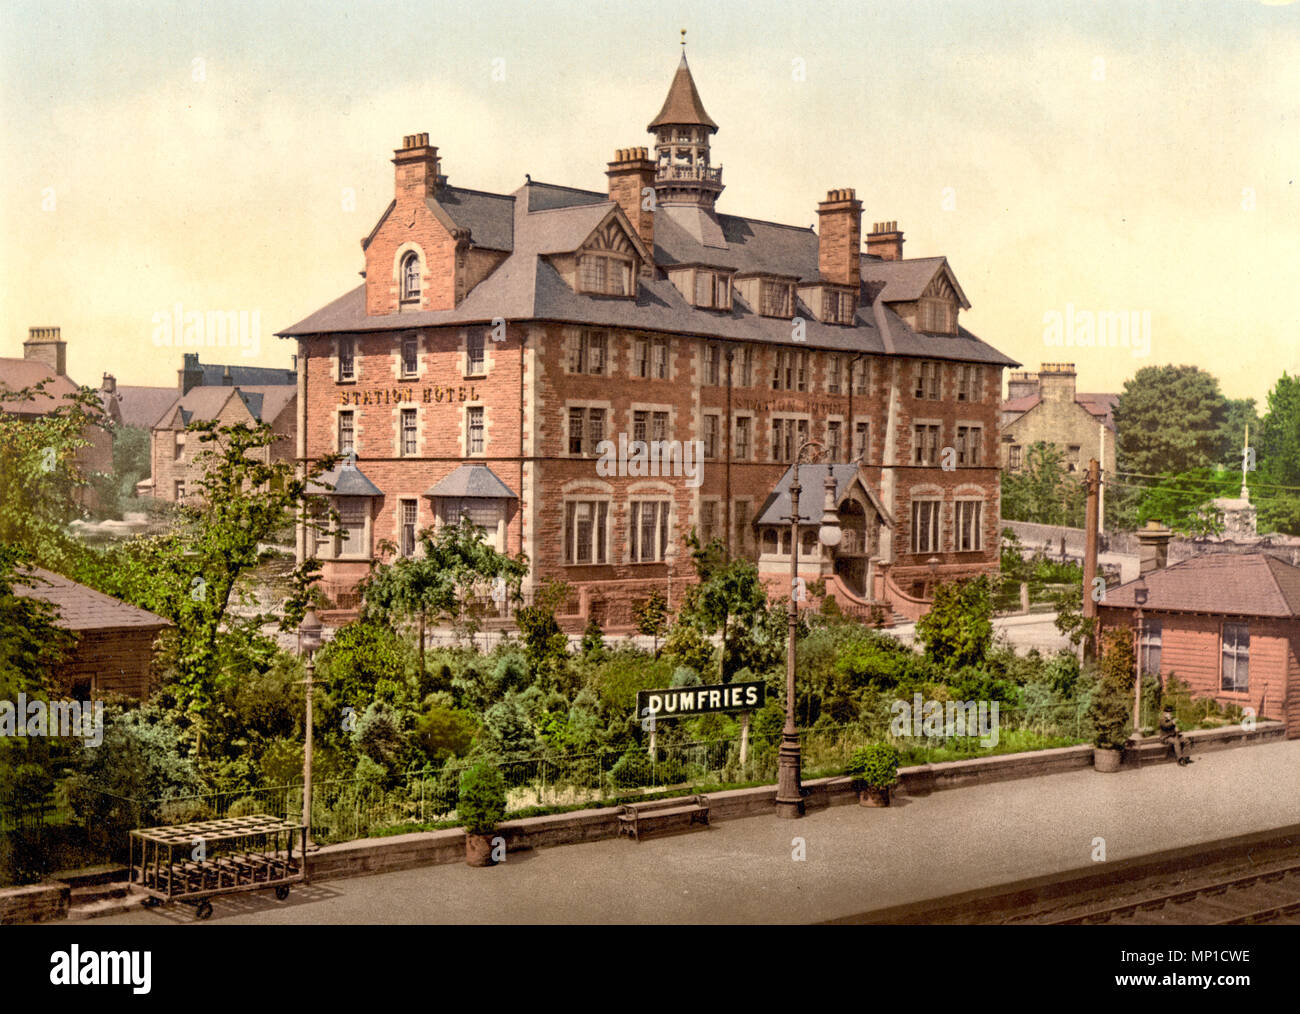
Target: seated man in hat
column 1169, row 734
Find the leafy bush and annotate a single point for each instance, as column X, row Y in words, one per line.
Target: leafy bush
column 958, row 629
column 875, row 765
column 482, row 801
column 632, row 769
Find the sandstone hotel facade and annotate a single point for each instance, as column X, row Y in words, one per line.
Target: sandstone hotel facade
column 498, row 338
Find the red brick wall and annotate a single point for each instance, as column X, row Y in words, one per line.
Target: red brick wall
column 1191, row 650
column 411, row 224
column 379, row 393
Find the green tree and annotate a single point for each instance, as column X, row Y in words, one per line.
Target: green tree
column 729, row 599
column 958, row 629
column 1042, row 490
column 545, row 645
column 456, row 570
column 41, row 483
column 1278, row 459
column 651, row 617
column 1171, row 419
column 245, row 500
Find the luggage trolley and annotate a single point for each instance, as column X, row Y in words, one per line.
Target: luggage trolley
column 192, row 863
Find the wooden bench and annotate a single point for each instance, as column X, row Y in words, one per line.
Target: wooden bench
column 638, row 819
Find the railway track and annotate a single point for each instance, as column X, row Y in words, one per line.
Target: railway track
column 1250, row 899
column 1251, row 879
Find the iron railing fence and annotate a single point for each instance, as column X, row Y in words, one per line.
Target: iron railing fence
column 80, row 824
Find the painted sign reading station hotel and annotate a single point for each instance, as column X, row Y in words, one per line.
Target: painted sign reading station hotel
column 681, row 702
column 396, row 395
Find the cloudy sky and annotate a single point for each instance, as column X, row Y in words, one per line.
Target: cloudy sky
column 1097, row 156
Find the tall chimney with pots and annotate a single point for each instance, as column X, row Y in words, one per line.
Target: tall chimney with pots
column 417, row 168
column 885, row 240
column 1056, row 382
column 46, row 345
column 839, row 238
column 109, row 386
column 631, row 175
column 1153, row 547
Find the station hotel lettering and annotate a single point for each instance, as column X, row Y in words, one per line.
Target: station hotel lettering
column 497, row 339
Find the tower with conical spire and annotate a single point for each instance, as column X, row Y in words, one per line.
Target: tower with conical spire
column 682, row 130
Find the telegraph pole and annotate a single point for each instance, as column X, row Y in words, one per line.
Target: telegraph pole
column 1091, row 520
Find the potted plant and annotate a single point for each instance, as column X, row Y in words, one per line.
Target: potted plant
column 875, row 767
column 1112, row 701
column 481, row 806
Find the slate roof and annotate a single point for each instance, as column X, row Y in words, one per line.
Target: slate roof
column 489, row 217
column 214, row 375
column 527, row 287
column 473, row 480
column 16, row 373
column 82, row 608
column 345, row 479
column 812, row 493
column 1225, row 584
column 683, row 104
column 905, row 280
column 143, row 406
column 264, row 404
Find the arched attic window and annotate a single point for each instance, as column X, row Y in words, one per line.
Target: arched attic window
column 411, row 276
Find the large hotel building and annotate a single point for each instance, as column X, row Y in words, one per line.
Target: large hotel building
column 499, row 339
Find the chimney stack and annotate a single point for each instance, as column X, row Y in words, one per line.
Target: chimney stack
column 226, row 379
column 631, row 175
column 885, row 240
column 1153, row 547
column 45, row 345
column 1021, row 383
column 190, row 375
column 1056, row 382
column 417, row 168
column 109, row 386
column 839, row 238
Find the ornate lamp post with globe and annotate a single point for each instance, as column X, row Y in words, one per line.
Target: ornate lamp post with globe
column 789, row 791
column 309, row 639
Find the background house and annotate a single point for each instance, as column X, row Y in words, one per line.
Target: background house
column 1045, row 406
column 45, row 358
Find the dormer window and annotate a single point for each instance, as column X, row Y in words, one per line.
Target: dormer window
column 604, row 274
column 712, row 290
column 938, row 316
column 838, row 306
column 776, row 299
column 411, row 277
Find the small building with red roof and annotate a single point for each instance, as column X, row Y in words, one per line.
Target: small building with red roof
column 1226, row 624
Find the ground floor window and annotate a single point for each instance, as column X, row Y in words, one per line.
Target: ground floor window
column 648, row 530
column 407, row 521
column 970, row 528
column 1236, row 657
column 925, row 526
column 585, row 524
column 353, row 514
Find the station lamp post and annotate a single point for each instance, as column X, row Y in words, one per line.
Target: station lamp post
column 1139, row 600
column 789, row 791
column 309, row 638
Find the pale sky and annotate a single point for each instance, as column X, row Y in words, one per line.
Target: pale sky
column 1110, row 157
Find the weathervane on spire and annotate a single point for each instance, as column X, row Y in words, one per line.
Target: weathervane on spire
column 683, row 38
